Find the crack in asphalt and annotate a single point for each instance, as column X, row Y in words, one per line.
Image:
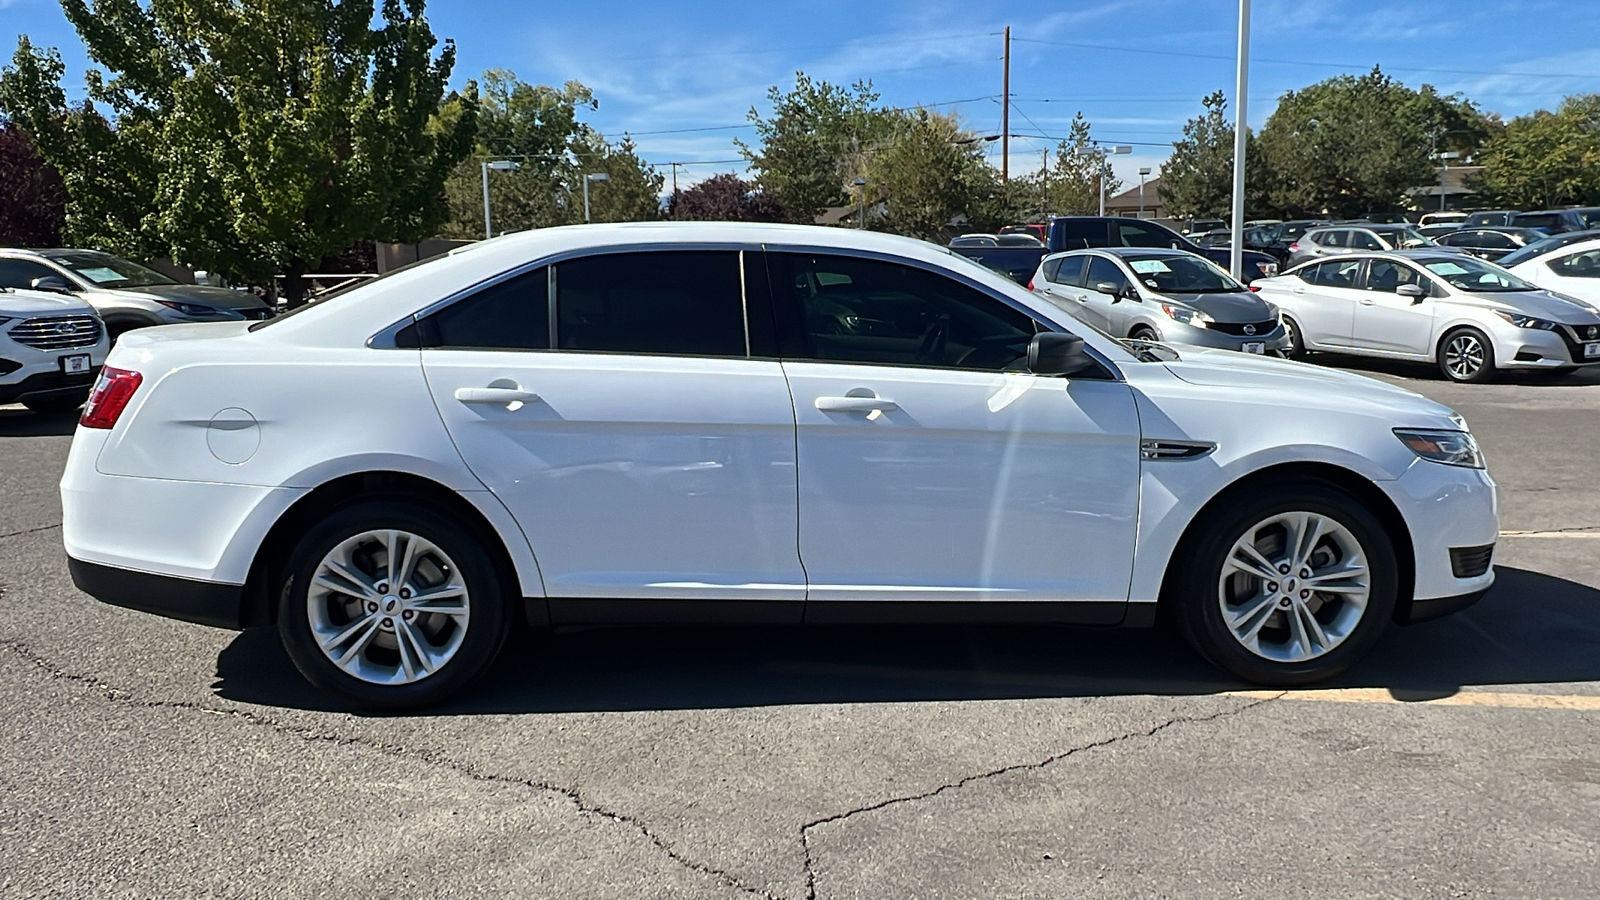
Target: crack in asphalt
column 805, row 830
column 30, row 530
column 305, row 733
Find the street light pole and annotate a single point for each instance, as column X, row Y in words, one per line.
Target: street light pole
column 499, row 165
column 1142, row 173
column 1240, row 123
column 1444, row 172
column 592, row 176
column 1105, row 164
column 861, row 202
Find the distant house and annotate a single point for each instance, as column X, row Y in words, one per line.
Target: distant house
column 1127, row 203
column 1459, row 190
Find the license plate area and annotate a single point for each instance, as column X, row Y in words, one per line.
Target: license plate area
column 1257, row 347
column 1591, row 351
column 76, row 364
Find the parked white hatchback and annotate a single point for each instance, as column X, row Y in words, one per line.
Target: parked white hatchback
column 51, row 349
column 1469, row 316
column 779, row 424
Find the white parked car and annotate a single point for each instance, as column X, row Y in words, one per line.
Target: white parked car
column 780, row 424
column 51, row 349
column 1567, row 264
column 1469, row 316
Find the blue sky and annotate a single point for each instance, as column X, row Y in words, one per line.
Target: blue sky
column 665, row 67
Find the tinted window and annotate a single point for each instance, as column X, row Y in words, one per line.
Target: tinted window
column 686, row 303
column 1363, row 240
column 1048, row 269
column 1336, row 273
column 1081, row 233
column 1334, row 238
column 511, row 315
column 1387, row 275
column 1497, row 241
column 1578, row 265
column 844, row 309
column 1018, row 240
column 20, row 273
column 1104, row 270
column 1462, row 239
column 1537, row 220
column 1136, row 234
column 1070, row 271
column 1545, row 245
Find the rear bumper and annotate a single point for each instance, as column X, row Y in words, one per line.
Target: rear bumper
column 203, row 602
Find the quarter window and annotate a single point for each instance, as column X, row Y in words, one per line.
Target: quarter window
column 684, row 303
column 1070, row 271
column 846, row 309
column 1331, row 238
column 513, row 314
column 1578, row 265
column 1335, row 273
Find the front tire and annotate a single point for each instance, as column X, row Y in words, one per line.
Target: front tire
column 1290, row 586
column 391, row 606
column 1297, row 346
column 1466, row 356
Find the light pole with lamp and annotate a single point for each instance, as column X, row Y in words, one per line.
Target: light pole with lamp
column 592, row 176
column 1444, row 172
column 499, row 165
column 1241, row 134
column 1105, row 164
column 861, row 202
column 1142, row 173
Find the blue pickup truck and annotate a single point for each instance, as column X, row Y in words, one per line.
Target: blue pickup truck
column 1079, row 232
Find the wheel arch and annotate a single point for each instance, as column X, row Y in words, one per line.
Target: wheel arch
column 1436, row 352
column 265, row 578
column 1361, row 487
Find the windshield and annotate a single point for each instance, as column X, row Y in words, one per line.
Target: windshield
column 1540, row 248
column 1182, row 275
column 1476, row 276
column 1404, row 238
column 107, row 271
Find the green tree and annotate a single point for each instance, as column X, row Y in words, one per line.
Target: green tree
column 1546, row 159
column 632, row 193
column 249, row 137
column 927, row 171
column 1072, row 185
column 814, row 143
column 1351, row 145
column 1197, row 180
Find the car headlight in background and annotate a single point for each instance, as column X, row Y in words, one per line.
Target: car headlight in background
column 1452, row 448
column 1522, row 321
column 188, row 309
column 1186, row 315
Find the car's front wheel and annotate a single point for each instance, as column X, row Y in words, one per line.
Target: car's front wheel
column 1465, row 355
column 391, row 606
column 1297, row 345
column 1290, row 586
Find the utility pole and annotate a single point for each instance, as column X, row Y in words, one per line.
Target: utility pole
column 1044, row 185
column 1005, row 113
column 1240, row 123
column 674, row 179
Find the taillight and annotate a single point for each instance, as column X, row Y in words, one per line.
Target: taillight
column 1256, row 288
column 1294, row 246
column 110, row 397
column 1030, row 284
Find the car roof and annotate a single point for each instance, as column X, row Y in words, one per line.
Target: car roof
column 1125, row 251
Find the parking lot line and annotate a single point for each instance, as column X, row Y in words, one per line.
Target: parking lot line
column 1551, row 534
column 1504, row 699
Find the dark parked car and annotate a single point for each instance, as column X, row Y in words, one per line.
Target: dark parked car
column 1486, row 217
column 1094, row 232
column 1559, row 221
column 1490, row 243
column 1540, row 248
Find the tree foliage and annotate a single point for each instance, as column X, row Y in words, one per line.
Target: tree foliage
column 724, row 198
column 1197, row 180
column 248, row 137
column 1546, row 159
column 1350, row 145
column 1072, row 183
column 814, row 143
column 32, row 196
column 926, row 172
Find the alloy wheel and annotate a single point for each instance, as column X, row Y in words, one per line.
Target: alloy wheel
column 1464, row 356
column 388, row 607
column 1294, row 587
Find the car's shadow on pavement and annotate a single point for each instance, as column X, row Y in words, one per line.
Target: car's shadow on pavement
column 1422, row 371
column 20, row 422
column 1530, row 629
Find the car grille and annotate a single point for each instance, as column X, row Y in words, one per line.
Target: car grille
column 1243, row 329
column 57, row 332
column 1470, row 562
column 1575, row 336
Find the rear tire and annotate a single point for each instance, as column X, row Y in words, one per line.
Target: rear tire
column 48, row 406
column 1466, row 356
column 391, row 606
column 1284, row 630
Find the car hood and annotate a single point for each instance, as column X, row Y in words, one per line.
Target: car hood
column 1543, row 304
column 1313, row 385
column 1236, row 307
column 221, row 298
column 18, row 304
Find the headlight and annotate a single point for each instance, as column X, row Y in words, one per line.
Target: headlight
column 1186, row 315
column 1452, row 448
column 188, row 309
column 1522, row 321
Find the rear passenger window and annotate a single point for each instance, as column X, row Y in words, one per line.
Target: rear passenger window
column 682, row 303
column 1331, row 238
column 1336, row 273
column 1363, row 240
column 513, row 314
column 1070, row 271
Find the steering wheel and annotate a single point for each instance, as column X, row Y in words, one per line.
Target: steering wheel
column 933, row 342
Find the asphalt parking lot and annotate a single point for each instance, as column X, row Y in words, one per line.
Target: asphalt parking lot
column 147, row 758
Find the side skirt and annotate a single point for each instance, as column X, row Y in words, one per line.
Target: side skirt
column 592, row 611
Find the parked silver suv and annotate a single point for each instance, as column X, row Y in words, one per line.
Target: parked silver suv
column 51, row 350
column 1336, row 240
column 126, row 295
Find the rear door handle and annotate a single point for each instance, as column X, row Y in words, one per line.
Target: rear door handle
column 856, row 404
column 1299, row 290
column 494, row 395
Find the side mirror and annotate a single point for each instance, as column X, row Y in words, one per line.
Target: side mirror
column 1110, row 289
column 1414, row 291
column 1053, row 353
column 55, row 284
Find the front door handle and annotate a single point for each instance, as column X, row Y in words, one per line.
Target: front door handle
column 495, row 395
column 1366, row 301
column 856, row 404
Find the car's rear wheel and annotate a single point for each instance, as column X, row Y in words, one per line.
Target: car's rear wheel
column 60, row 403
column 1290, row 586
column 391, row 606
column 1465, row 355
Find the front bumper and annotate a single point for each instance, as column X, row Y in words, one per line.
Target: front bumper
column 1445, row 508
column 202, row 602
column 1531, row 348
column 47, row 384
column 1181, row 335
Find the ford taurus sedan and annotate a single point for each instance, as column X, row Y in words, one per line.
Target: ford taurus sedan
column 1471, row 317
column 780, row 424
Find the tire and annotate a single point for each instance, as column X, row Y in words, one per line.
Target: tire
column 47, row 406
column 456, row 637
column 1142, row 333
column 1277, row 646
column 1460, row 363
column 1297, row 345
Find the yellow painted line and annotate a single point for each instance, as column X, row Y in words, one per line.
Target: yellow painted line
column 1502, row 699
column 1551, row 534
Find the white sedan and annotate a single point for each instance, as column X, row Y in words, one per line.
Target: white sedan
column 779, row 424
column 1471, row 317
column 1566, row 263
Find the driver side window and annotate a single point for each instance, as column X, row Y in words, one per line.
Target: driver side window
column 852, row 310
column 1136, row 234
